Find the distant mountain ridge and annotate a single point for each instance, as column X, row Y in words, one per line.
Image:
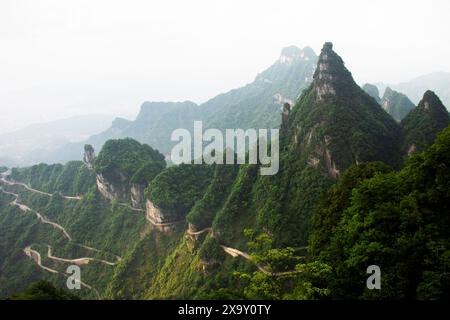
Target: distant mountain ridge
column 438, row 82
column 24, row 147
column 256, row 105
column 396, row 104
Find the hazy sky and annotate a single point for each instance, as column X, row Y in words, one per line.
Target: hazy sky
column 60, row 58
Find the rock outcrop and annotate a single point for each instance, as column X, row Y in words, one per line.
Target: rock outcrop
column 396, row 104
column 161, row 220
column 137, row 195
column 108, row 189
column 331, row 76
column 89, row 156
column 285, row 112
column 372, row 91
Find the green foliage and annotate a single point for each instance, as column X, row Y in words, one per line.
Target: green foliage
column 211, row 251
column 329, row 212
column 289, row 278
column 141, row 264
column 399, row 221
column 44, row 290
column 204, row 210
column 177, row 188
column 236, row 212
column 91, row 221
column 88, row 148
column 42, row 175
column 147, row 172
column 421, row 126
column 311, row 283
column 120, row 159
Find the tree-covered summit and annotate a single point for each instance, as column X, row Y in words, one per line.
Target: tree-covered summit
column 125, row 156
column 421, row 126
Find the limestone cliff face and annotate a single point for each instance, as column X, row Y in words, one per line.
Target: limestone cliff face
column 137, row 195
column 321, row 153
column 396, row 104
column 109, row 190
column 89, row 156
column 159, row 216
column 331, row 78
column 324, row 76
column 163, row 220
column 154, row 214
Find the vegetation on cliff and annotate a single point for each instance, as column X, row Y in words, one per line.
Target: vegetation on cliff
column 396, row 220
column 421, row 126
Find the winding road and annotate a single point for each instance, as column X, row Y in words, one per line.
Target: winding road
column 25, row 208
column 35, row 255
column 15, row 183
column 236, row 253
column 78, row 261
column 156, row 224
column 189, row 232
column 130, row 207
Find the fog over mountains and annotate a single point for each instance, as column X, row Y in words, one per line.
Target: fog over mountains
column 256, row 105
column 439, row 82
column 25, row 146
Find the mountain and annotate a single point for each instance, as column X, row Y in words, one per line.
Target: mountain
column 372, row 91
column 333, row 125
column 396, row 104
column 421, row 126
column 141, row 230
column 336, row 124
column 26, row 146
column 256, row 105
column 438, row 82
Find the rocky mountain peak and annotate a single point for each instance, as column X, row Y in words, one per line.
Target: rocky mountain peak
column 292, row 53
column 331, row 75
column 372, row 91
column 396, row 104
column 89, row 156
column 431, row 101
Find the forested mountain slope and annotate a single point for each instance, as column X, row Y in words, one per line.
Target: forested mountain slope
column 141, row 230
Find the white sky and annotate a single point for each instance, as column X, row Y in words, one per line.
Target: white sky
column 61, row 58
